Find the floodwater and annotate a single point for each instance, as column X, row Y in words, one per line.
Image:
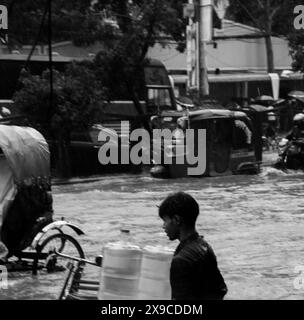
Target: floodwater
column 255, row 225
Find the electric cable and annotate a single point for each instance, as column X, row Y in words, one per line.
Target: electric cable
column 250, row 15
column 38, row 36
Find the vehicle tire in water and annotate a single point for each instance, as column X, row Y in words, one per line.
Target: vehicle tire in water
column 62, row 243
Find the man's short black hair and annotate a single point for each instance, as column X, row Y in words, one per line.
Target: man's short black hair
column 180, row 204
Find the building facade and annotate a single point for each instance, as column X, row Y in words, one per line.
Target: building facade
column 236, row 62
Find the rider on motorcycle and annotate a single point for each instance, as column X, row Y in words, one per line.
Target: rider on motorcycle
column 297, row 130
column 291, row 147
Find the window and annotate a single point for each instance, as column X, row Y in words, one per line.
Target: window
column 159, row 99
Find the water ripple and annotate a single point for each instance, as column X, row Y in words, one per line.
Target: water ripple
column 254, row 224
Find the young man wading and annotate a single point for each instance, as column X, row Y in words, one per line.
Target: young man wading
column 194, row 273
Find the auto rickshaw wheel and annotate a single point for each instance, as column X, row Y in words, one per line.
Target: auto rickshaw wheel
column 61, row 243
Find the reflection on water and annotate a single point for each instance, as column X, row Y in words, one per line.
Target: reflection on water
column 254, row 223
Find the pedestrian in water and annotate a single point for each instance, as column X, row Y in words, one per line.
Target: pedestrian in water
column 194, row 273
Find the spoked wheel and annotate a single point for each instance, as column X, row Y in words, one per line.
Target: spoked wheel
column 61, row 243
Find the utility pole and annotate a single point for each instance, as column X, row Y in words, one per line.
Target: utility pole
column 201, row 31
column 192, row 40
column 205, row 34
column 50, row 57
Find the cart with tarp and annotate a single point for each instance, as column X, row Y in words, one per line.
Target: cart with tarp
column 28, row 232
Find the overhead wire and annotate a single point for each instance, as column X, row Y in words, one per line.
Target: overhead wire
column 250, row 15
column 38, row 36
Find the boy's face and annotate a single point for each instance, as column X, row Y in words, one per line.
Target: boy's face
column 171, row 227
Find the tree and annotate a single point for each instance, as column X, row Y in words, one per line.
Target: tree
column 76, row 106
column 136, row 26
column 71, row 20
column 269, row 16
column 296, row 43
column 83, row 21
column 146, row 21
column 127, row 28
column 139, row 23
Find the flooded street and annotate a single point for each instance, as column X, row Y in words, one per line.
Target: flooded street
column 255, row 225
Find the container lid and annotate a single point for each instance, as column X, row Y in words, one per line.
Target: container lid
column 158, row 250
column 119, row 245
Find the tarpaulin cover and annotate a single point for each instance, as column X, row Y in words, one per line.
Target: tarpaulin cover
column 24, row 167
column 7, row 185
column 26, row 152
column 7, row 195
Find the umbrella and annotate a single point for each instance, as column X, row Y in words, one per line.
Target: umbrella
column 185, row 102
column 259, row 108
column 299, row 95
column 264, row 98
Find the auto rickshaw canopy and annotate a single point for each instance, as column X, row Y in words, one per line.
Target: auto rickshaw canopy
column 26, row 152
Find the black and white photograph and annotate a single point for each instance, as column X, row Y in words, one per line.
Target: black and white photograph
column 151, row 150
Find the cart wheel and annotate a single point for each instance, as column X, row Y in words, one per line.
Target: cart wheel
column 62, row 243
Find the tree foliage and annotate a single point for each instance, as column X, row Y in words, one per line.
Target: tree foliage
column 76, row 103
column 84, row 21
column 296, row 43
column 127, row 28
column 75, row 107
column 272, row 17
column 139, row 24
column 145, row 21
column 260, row 13
column 71, row 20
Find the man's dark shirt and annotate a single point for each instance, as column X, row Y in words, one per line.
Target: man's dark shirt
column 194, row 273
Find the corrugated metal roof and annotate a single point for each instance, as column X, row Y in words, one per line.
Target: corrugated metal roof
column 231, row 28
column 238, row 77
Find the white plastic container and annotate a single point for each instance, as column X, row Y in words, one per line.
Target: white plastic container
column 154, row 283
column 120, row 271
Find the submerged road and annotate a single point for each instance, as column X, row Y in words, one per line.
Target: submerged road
column 255, row 225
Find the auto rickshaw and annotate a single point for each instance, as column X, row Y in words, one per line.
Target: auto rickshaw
column 229, row 143
column 28, row 232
